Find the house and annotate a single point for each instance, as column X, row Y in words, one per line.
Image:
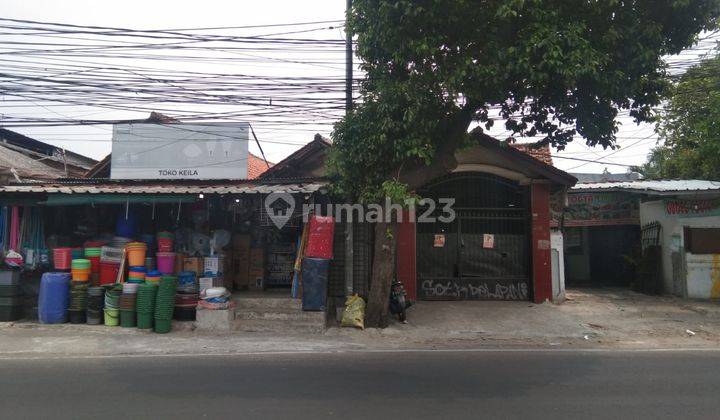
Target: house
column 23, row 158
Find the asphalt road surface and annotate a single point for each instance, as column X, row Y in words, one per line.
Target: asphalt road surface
column 407, row 385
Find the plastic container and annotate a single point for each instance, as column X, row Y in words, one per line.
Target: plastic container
column 54, row 298
column 314, row 282
column 80, row 263
column 77, row 316
column 111, row 254
column 94, row 263
column 136, row 253
column 108, row 272
column 126, row 227
column 166, row 262
column 77, row 253
column 112, row 317
column 62, row 258
column 320, row 237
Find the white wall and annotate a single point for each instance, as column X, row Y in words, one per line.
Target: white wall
column 672, row 225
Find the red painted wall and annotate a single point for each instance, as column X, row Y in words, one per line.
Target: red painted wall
column 540, row 208
column 405, row 267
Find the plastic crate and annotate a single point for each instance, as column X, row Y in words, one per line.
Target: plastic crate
column 9, row 278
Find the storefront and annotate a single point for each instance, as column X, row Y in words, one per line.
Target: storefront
column 226, row 233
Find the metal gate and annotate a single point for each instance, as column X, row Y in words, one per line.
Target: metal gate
column 484, row 252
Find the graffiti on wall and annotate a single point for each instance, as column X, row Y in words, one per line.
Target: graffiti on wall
column 455, row 289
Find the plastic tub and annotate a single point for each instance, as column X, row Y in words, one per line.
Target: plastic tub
column 108, row 272
column 62, row 258
column 166, row 262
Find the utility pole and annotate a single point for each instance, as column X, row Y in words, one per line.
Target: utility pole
column 348, row 60
column 349, row 242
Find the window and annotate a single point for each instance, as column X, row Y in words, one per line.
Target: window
column 702, row 240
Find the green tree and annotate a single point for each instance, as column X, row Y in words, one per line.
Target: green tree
column 689, row 127
column 437, row 68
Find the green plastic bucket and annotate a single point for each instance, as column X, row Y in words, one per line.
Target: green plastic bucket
column 112, row 317
column 128, row 319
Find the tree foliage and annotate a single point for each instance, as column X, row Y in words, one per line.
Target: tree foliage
column 555, row 68
column 689, row 127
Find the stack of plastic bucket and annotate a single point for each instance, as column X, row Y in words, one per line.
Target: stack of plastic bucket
column 165, row 242
column 136, row 275
column 153, row 277
column 186, row 298
column 80, row 270
column 136, row 253
column 145, row 305
column 127, row 304
column 95, row 304
column 112, row 306
column 62, row 258
column 78, row 302
column 165, row 304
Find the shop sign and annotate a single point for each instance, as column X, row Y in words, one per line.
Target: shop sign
column 439, row 241
column 602, row 208
column 179, row 151
column 692, row 208
column 488, row 241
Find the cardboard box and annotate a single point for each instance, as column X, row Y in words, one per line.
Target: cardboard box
column 194, row 264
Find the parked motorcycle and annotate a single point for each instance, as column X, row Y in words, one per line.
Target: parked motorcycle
column 398, row 301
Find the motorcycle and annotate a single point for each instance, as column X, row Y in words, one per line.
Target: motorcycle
column 398, row 301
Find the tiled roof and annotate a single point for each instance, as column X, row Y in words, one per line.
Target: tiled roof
column 256, row 166
column 541, row 153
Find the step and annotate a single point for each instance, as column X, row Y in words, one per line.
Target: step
column 286, row 303
column 264, row 325
column 279, row 315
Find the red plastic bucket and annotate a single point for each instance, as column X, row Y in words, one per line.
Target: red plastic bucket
column 62, row 257
column 108, row 272
column 94, row 264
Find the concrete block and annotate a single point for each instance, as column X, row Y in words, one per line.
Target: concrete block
column 214, row 320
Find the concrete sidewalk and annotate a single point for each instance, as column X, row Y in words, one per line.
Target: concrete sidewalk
column 588, row 319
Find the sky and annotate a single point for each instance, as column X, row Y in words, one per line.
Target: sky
column 278, row 138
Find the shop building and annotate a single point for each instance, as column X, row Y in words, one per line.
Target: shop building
column 660, row 237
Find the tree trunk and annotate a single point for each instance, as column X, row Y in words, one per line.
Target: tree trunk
column 383, row 272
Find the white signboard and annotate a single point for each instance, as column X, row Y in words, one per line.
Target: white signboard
column 179, row 151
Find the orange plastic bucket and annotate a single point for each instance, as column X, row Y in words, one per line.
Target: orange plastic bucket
column 80, row 275
column 136, row 253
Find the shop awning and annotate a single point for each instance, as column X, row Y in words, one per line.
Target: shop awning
column 123, row 188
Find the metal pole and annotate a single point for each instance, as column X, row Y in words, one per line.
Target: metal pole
column 349, row 240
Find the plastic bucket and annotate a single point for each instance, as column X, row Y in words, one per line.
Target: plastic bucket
column 94, row 263
column 108, row 272
column 62, row 258
column 166, row 262
column 112, row 317
column 80, row 275
column 77, row 316
column 80, row 263
column 136, row 254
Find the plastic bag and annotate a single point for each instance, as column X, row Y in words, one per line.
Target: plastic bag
column 354, row 313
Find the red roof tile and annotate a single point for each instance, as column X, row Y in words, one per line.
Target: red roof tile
column 256, row 166
column 541, row 153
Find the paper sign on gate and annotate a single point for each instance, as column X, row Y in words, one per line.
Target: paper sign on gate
column 488, row 240
column 439, row 241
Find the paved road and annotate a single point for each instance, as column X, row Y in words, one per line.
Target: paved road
column 421, row 385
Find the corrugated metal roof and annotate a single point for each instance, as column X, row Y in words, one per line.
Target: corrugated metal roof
column 167, row 188
column 658, row 187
